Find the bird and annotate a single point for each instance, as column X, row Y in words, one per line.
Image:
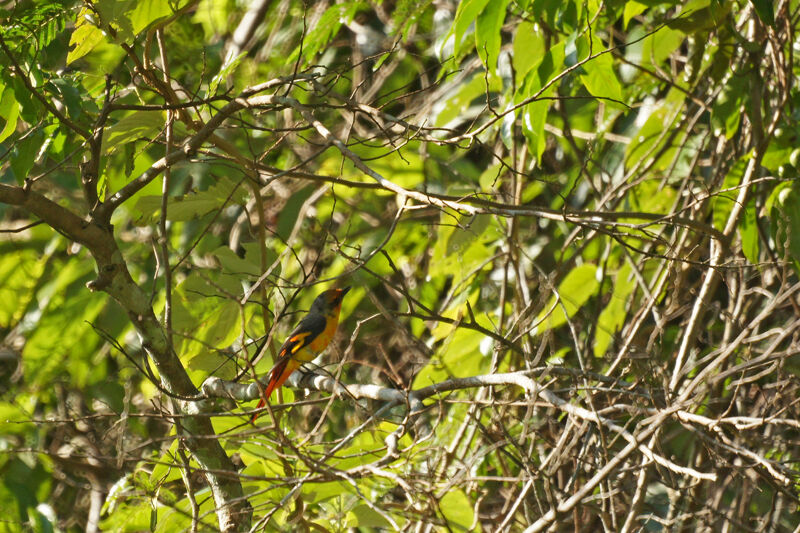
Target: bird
column 311, row 336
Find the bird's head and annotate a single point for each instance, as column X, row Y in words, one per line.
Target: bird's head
column 329, row 301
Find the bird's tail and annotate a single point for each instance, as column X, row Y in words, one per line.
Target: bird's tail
column 261, row 403
column 277, row 377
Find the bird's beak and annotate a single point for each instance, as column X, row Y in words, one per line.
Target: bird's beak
column 343, row 291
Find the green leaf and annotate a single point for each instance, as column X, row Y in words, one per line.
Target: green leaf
column 65, row 329
column 458, row 356
column 534, row 115
column 453, row 108
column 461, row 246
column 458, row 511
column 724, row 201
column 70, row 96
column 85, row 38
column 230, row 65
column 405, row 169
column 490, row 178
column 115, row 13
column 210, row 324
column 363, row 516
column 20, row 271
column 326, row 28
column 23, row 481
column 785, row 217
column 30, row 109
column 14, row 420
column 748, row 232
column 181, row 209
column 137, row 125
column 9, row 110
column 469, row 229
column 487, row 32
column 725, row 114
column 657, row 47
column 651, row 197
column 575, row 290
column 647, row 142
column 776, row 156
column 765, row 11
column 613, row 315
column 529, row 49
column 381, row 59
column 288, row 215
column 211, row 15
column 25, row 153
column 129, row 517
column 600, row 79
column 224, row 326
column 147, row 12
column 631, row 10
column 700, row 16
column 467, row 12
column 233, row 264
column 49, row 31
column 193, row 205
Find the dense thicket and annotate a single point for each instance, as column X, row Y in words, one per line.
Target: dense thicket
column 572, row 230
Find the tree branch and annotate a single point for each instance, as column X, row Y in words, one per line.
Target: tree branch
column 23, row 76
column 233, row 510
column 216, row 387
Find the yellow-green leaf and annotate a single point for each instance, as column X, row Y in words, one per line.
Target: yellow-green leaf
column 574, row 291
column 458, row 511
column 613, row 315
column 84, row 38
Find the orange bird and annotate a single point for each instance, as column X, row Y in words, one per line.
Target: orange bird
column 311, row 336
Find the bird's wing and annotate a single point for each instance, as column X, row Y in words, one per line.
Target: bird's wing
column 304, row 334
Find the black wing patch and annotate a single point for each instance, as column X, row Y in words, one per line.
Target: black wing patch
column 304, row 334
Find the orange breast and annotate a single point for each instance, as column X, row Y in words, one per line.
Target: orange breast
column 324, row 338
